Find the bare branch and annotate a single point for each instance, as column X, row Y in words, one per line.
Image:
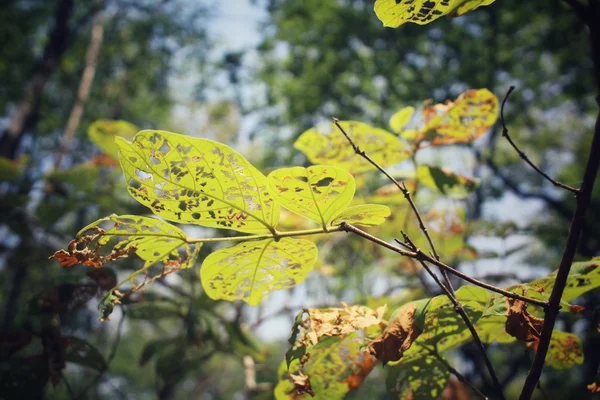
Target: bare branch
column 523, row 155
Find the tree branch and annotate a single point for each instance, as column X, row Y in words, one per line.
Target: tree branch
column 522, row 154
column 577, row 223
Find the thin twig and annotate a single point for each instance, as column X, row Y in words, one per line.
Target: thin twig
column 454, row 372
column 419, row 255
column 404, row 191
column 459, row 309
column 111, row 356
column 522, row 154
column 577, row 223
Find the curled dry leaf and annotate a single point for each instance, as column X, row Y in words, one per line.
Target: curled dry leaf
column 86, row 256
column 341, row 321
column 399, row 335
column 520, row 324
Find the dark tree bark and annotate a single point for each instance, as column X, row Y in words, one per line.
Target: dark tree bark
column 27, row 110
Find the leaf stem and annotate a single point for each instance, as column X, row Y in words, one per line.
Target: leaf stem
column 277, row 235
column 522, row 154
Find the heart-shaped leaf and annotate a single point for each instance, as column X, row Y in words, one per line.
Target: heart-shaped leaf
column 319, row 193
column 325, row 144
column 251, row 270
column 197, row 181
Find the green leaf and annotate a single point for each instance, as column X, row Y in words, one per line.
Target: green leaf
column 155, row 347
column 153, row 310
column 325, row 144
column 251, row 270
column 80, row 352
column 333, row 371
column 319, row 193
column 11, row 170
column 103, row 133
column 451, row 184
column 394, row 13
column 401, row 118
column 364, row 214
column 424, row 378
column 565, row 351
column 197, row 181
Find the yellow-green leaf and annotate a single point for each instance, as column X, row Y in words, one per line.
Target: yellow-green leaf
column 423, row 378
column 197, row 181
column 394, row 13
column 470, row 5
column 103, row 132
column 319, row 193
column 450, row 184
column 565, row 351
column 251, row 270
column 325, row 144
column 364, row 214
column 460, row 121
column 401, row 118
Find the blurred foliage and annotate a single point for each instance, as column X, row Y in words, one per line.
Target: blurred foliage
column 316, row 60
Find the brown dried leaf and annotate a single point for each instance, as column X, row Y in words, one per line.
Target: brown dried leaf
column 356, row 379
column 86, row 256
column 520, row 324
column 341, row 321
column 397, row 337
column 575, row 309
column 593, row 387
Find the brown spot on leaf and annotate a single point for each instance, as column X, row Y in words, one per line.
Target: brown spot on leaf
column 302, row 384
column 397, row 337
column 520, row 324
column 575, row 309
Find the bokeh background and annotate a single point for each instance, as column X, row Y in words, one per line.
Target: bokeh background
column 255, row 75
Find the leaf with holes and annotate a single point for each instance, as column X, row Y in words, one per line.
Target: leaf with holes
column 151, row 239
column 104, row 131
column 332, row 371
column 447, row 182
column 565, row 351
column 401, row 118
column 325, row 144
column 394, row 13
column 197, row 181
column 364, row 215
column 423, row 378
column 319, row 193
column 459, row 121
column 251, row 270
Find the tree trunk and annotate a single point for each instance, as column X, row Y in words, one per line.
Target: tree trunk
column 25, row 115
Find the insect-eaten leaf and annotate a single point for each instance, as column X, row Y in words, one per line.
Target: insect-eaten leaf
column 332, row 370
column 405, row 327
column 151, row 239
column 319, row 193
column 325, row 144
column 447, row 182
column 197, row 181
column 103, row 133
column 459, row 121
column 364, row 215
column 420, row 379
column 520, row 323
column 250, row 270
column 565, row 350
column 394, row 13
column 401, row 118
